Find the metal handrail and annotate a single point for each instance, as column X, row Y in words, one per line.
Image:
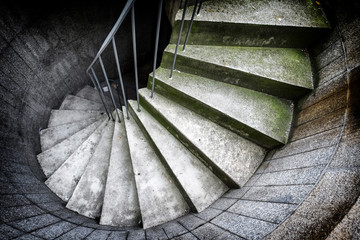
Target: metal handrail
column 111, row 38
column 113, row 31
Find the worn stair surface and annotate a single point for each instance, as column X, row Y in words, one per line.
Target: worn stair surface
column 270, row 23
column 282, row 72
column 206, row 130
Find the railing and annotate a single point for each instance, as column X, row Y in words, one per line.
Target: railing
column 129, row 6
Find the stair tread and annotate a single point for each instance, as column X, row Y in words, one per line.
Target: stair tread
column 121, row 204
column 91, row 94
column 88, row 195
column 227, row 104
column 272, row 12
column 202, row 187
column 64, row 180
column 159, row 199
column 59, row 117
column 235, row 156
column 53, row 135
column 51, row 159
column 72, row 102
column 286, row 65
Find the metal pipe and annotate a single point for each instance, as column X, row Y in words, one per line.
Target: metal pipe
column 156, row 45
column 191, row 23
column 178, row 41
column 135, row 57
column 129, row 4
column 120, row 76
column 101, row 93
column 198, row 11
column 109, row 87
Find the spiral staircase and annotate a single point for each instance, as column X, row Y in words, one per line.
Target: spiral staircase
column 206, row 130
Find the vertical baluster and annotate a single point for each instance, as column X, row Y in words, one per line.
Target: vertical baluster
column 178, row 41
column 135, row 57
column 109, row 87
column 191, row 23
column 101, row 93
column 120, row 76
column 198, row 11
column 156, row 45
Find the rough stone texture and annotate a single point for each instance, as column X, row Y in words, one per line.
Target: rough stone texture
column 51, row 136
column 227, row 161
column 121, row 204
column 64, row 180
column 262, row 118
column 87, row 198
column 60, row 117
column 349, row 227
column 76, row 103
column 198, row 184
column 261, row 23
column 160, row 200
column 51, row 159
column 282, row 72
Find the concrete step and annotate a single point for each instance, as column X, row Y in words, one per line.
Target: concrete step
column 282, row 72
column 59, row 117
column 76, row 103
column 92, row 94
column 64, row 180
column 54, row 157
column 87, row 198
column 199, row 186
column 254, row 23
column 232, row 158
column 121, row 204
column 259, row 117
column 159, row 198
column 53, row 135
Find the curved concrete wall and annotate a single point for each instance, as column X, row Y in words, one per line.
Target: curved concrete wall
column 307, row 189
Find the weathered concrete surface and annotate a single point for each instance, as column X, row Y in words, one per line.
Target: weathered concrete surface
column 59, row 117
column 259, row 117
column 121, row 204
column 87, row 198
column 64, row 180
column 51, row 159
column 233, row 160
column 248, row 23
column 300, row 13
column 159, row 198
column 53, row 135
column 92, row 94
column 349, row 227
column 282, row 72
column 76, row 103
column 198, row 184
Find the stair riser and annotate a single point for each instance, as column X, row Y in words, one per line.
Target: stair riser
column 240, row 34
column 233, row 76
column 191, row 147
column 162, row 159
column 215, row 115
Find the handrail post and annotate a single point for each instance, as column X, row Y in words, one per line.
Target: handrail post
column 191, row 23
column 109, row 87
column 120, row 76
column 135, row 57
column 101, row 93
column 178, row 41
column 156, row 45
column 198, row 11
